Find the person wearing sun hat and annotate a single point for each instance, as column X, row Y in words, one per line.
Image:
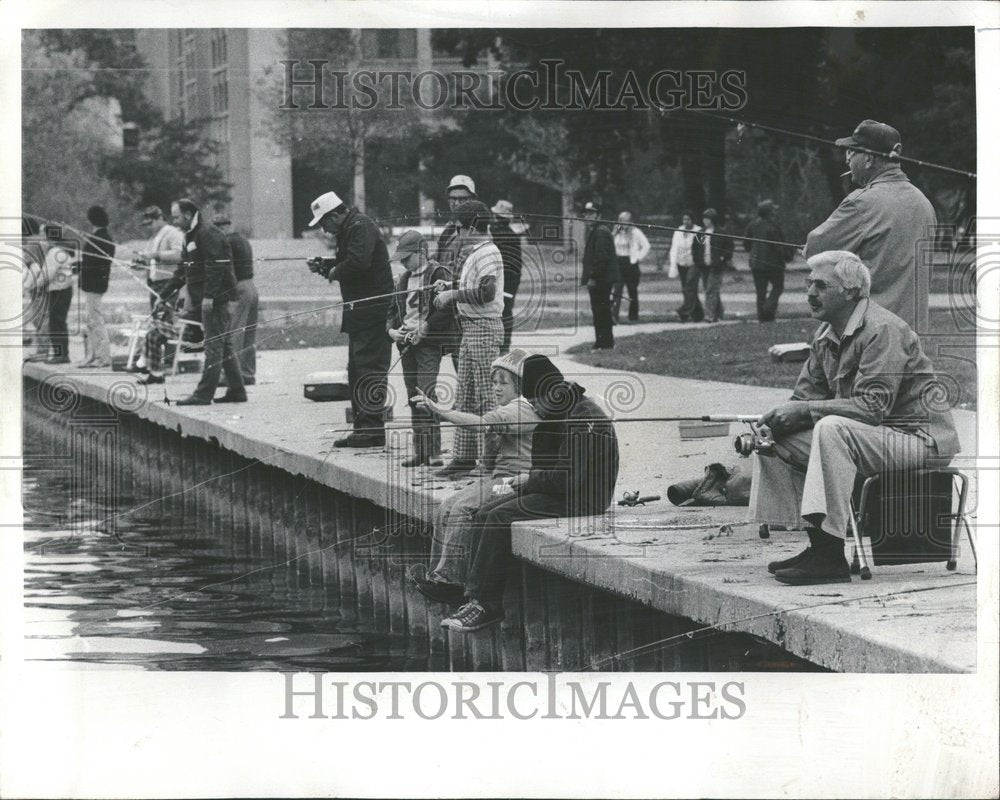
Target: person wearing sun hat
column 883, row 222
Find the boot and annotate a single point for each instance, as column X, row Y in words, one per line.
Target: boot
column 824, row 564
column 787, row 563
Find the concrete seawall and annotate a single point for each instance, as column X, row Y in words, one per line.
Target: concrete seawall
column 674, row 562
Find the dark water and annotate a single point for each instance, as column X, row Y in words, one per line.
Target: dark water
column 188, row 578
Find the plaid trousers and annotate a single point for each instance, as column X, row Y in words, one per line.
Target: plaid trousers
column 481, row 340
column 161, row 329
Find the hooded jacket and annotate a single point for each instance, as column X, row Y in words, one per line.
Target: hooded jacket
column 572, row 458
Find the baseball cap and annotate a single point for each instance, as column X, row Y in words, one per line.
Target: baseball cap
column 503, row 208
column 409, row 243
column 592, row 206
column 513, row 362
column 872, row 135
column 462, row 181
column 470, row 211
column 323, row 205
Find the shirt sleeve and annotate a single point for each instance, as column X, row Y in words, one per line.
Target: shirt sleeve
column 643, row 245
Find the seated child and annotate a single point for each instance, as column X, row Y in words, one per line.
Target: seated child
column 506, row 455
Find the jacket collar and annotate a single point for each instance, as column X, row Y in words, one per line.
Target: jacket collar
column 854, row 322
column 891, row 173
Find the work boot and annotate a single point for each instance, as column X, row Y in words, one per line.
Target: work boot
column 787, row 563
column 824, row 564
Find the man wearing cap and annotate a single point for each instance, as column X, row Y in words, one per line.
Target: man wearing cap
column 247, row 300
column 461, row 189
column 162, row 254
column 478, row 301
column 767, row 259
column 509, row 244
column 713, row 253
column 362, row 268
column 419, row 330
column 600, row 271
column 882, row 221
column 207, row 271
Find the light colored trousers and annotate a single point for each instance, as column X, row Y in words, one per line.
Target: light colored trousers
column 97, row 346
column 811, row 474
column 245, row 327
column 453, row 530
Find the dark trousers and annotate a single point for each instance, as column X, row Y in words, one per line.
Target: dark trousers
column 489, row 551
column 691, row 308
column 421, row 363
column 369, row 351
column 600, row 307
column 767, row 304
column 511, row 282
column 712, row 278
column 59, row 303
column 219, row 353
column 629, row 273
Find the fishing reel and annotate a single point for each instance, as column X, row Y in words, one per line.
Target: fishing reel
column 320, row 266
column 631, row 499
column 758, row 440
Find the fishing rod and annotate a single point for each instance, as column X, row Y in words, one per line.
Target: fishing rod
column 895, row 156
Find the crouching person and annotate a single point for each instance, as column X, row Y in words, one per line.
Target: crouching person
column 864, row 403
column 506, row 456
column 419, row 330
column 574, row 466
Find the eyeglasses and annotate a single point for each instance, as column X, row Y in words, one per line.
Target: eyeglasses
column 821, row 285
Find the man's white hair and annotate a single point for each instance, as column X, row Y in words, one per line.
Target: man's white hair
column 847, row 268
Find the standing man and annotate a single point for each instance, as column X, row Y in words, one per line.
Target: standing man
column 509, row 244
column 767, row 259
column 207, row 271
column 861, row 406
column 478, row 301
column 162, row 254
column 682, row 255
column 95, row 272
column 883, row 221
column 600, row 271
column 715, row 249
column 247, row 299
column 361, row 266
column 461, row 189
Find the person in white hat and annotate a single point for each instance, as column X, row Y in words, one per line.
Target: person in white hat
column 362, row 268
column 461, row 189
column 509, row 244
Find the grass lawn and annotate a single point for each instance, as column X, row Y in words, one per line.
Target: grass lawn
column 737, row 353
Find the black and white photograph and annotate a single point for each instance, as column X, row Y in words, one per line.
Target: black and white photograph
column 410, row 391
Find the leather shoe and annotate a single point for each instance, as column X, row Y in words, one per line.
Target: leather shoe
column 151, row 379
column 455, row 469
column 231, row 398
column 788, row 563
column 817, row 568
column 361, row 440
column 193, row 401
column 451, row 594
column 57, row 360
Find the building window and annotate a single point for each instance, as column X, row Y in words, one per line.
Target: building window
column 187, row 74
column 220, row 96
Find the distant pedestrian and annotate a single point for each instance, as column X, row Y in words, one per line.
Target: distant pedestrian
column 767, row 259
column 682, row 262
column 95, row 272
column 207, row 271
column 419, row 329
column 600, row 271
column 247, row 300
column 361, row 266
column 478, row 299
column 631, row 247
column 713, row 251
column 509, row 244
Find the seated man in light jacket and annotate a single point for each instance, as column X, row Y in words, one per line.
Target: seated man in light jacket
column 866, row 402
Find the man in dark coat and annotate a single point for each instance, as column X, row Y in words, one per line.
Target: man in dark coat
column 713, row 253
column 361, row 266
column 574, row 467
column 95, row 272
column 509, row 244
column 247, row 300
column 207, row 270
column 600, row 271
column 767, row 259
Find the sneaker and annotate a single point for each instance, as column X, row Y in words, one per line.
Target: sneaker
column 416, row 461
column 361, row 440
column 435, row 461
column 455, row 469
column 451, row 594
column 817, row 568
column 473, row 616
column 787, row 563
